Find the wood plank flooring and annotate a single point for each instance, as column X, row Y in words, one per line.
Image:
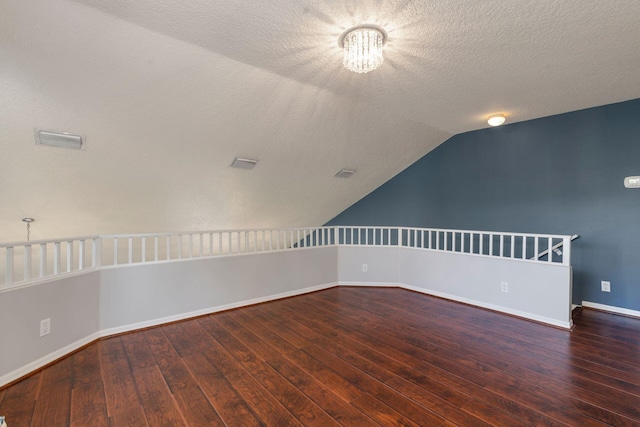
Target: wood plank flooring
column 345, row 356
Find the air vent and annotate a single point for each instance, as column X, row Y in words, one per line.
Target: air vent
column 54, row 138
column 345, row 173
column 242, row 163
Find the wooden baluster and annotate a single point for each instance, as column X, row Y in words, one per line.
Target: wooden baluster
column 26, row 264
column 43, row 259
column 8, row 274
column 69, row 256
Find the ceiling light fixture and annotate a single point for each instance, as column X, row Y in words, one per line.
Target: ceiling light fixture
column 28, row 221
column 496, row 119
column 363, row 48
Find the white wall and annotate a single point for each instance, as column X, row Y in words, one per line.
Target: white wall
column 72, row 305
column 122, row 298
column 383, row 265
column 99, row 303
column 138, row 296
column 537, row 291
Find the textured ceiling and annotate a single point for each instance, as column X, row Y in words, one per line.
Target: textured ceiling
column 169, row 92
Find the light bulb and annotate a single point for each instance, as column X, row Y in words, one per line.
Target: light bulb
column 496, row 119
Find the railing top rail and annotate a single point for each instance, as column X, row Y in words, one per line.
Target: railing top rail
column 365, row 226
column 40, row 242
column 506, row 233
column 238, row 230
column 382, row 227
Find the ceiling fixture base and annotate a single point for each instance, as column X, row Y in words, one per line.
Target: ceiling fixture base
column 362, row 48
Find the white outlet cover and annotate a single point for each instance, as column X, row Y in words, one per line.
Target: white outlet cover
column 605, row 286
column 365, row 268
column 504, row 286
column 45, row 327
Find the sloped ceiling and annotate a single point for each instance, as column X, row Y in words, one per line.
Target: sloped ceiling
column 169, row 92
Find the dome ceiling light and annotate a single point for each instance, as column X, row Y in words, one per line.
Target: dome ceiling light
column 363, row 48
column 496, row 119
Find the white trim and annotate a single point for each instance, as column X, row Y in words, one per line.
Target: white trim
column 210, row 310
column 372, row 284
column 574, row 306
column 611, row 308
column 37, row 364
column 504, row 258
column 47, row 279
column 518, row 313
column 197, row 258
column 30, row 367
column 43, row 361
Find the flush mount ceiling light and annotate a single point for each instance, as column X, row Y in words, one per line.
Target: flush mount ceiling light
column 59, row 139
column 243, row 163
column 345, row 173
column 363, row 48
column 496, row 119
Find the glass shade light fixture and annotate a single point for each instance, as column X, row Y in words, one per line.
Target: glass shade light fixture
column 496, row 119
column 363, row 48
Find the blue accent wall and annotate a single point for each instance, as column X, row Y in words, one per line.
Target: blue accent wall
column 561, row 174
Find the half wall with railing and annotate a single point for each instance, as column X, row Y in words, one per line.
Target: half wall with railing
column 27, row 262
column 95, row 286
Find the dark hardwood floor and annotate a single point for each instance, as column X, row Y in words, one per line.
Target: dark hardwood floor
column 345, row 356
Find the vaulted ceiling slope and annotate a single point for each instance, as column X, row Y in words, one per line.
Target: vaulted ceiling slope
column 168, row 92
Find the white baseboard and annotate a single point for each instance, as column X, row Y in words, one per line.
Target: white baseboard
column 45, row 360
column 574, row 306
column 611, row 308
column 518, row 313
column 30, row 367
column 373, row 284
column 210, row 310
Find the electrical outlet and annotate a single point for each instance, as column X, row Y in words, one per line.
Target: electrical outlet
column 365, row 268
column 605, row 286
column 45, row 327
column 504, row 286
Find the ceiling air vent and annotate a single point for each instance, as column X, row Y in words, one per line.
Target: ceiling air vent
column 54, row 138
column 345, row 173
column 242, row 163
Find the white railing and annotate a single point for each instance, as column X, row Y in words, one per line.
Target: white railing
column 140, row 248
column 520, row 246
column 26, row 262
column 31, row 261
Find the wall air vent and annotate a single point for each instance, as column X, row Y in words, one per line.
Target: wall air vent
column 345, row 173
column 243, row 163
column 54, row 138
